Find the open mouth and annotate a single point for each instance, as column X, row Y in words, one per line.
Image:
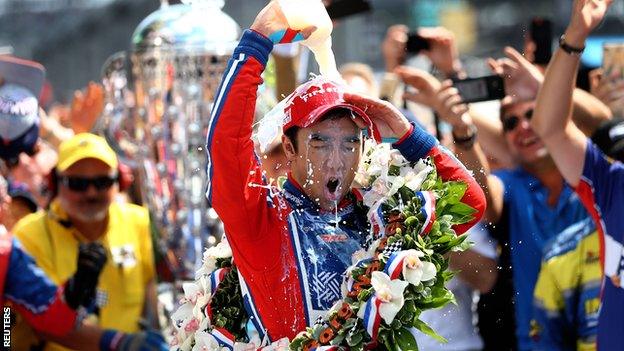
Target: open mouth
column 332, row 184
column 331, row 188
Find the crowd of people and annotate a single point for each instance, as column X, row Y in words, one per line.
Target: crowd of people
column 544, row 174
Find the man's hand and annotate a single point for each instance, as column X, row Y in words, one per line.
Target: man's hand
column 522, row 78
column 86, row 108
column 443, row 98
column 443, row 50
column 452, row 109
column 424, row 84
column 390, row 121
column 80, row 289
column 271, row 19
column 393, row 46
column 586, row 16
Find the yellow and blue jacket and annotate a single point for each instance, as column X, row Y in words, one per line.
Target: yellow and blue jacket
column 567, row 294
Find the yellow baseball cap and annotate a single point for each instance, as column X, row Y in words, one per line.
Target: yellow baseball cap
column 85, row 145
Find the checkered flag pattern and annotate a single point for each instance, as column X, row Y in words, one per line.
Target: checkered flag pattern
column 392, row 248
column 319, row 321
column 101, row 298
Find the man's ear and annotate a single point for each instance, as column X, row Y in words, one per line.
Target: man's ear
column 289, row 148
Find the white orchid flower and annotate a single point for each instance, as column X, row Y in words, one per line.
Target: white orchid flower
column 200, row 305
column 204, row 341
column 415, row 176
column 187, row 344
column 390, row 292
column 241, row 346
column 397, row 183
column 396, row 159
column 182, row 315
column 192, row 291
column 280, row 345
column 378, row 191
column 221, row 250
column 209, row 265
column 415, row 270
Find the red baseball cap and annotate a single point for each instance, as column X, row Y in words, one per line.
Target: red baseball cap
column 312, row 100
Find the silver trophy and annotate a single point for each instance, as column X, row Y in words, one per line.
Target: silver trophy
column 157, row 120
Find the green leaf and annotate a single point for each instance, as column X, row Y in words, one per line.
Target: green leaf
column 456, row 191
column 465, row 245
column 405, row 340
column 462, row 209
column 423, row 327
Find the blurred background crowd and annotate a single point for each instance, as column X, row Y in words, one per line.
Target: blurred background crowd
column 78, row 168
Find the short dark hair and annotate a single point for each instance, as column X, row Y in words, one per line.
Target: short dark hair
column 337, row 113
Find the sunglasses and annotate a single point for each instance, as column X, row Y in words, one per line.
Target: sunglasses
column 81, row 184
column 14, row 161
column 511, row 122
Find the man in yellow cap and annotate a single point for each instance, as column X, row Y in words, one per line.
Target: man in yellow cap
column 86, row 181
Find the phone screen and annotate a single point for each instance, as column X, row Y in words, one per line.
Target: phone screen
column 416, row 43
column 472, row 90
column 480, row 89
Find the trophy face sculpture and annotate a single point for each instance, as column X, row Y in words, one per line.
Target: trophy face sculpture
column 159, row 125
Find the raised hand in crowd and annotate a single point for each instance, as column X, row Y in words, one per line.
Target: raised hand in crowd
column 442, row 50
column 86, row 108
column 393, row 47
column 522, row 78
column 552, row 120
column 523, row 81
column 608, row 89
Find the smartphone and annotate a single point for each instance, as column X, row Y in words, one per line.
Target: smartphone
column 480, row 89
column 338, row 9
column 416, row 43
column 541, row 35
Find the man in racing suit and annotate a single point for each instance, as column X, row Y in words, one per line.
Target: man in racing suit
column 292, row 247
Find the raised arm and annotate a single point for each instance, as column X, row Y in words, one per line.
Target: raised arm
column 552, row 116
column 414, row 143
column 233, row 168
column 445, row 100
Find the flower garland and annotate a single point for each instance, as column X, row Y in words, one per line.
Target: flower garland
column 402, row 273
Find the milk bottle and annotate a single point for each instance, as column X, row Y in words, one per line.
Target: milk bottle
column 305, row 13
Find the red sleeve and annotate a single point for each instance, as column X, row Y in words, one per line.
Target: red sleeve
column 32, row 294
column 419, row 144
column 451, row 169
column 236, row 188
column 57, row 320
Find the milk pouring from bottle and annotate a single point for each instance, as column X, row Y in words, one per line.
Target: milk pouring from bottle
column 305, row 13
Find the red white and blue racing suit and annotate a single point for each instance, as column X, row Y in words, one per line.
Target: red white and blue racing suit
column 290, row 254
column 30, row 291
column 601, row 190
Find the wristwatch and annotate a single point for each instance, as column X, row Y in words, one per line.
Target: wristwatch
column 466, row 142
column 571, row 50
